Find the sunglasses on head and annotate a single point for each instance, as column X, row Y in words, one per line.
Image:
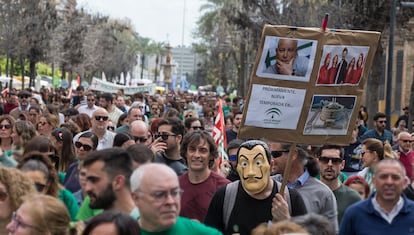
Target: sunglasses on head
column 7, row 126
column 278, row 153
column 163, row 136
column 139, row 139
column 39, row 186
column 326, row 160
column 103, row 118
column 84, row 146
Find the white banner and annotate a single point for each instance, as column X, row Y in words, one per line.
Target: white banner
column 99, row 85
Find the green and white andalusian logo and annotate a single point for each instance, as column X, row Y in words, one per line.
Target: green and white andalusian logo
column 272, row 112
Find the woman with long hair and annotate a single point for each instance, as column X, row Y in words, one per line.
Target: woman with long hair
column 37, row 166
column 86, row 143
column 62, row 140
column 372, row 152
column 47, row 122
column 350, row 72
column 333, row 69
column 23, row 132
column 323, row 77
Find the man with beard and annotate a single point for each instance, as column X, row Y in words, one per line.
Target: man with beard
column 331, row 162
column 107, row 181
column 168, row 140
column 106, row 101
column 317, row 196
column 199, row 182
column 24, row 97
column 242, row 205
column 99, row 123
column 380, row 121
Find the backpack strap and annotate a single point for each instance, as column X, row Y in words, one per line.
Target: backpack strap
column 229, row 200
column 287, row 195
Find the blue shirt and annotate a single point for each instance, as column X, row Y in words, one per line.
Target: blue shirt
column 386, row 136
column 361, row 218
column 299, row 181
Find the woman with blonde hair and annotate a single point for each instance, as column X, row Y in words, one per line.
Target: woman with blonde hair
column 373, row 151
column 40, row 214
column 14, row 185
column 47, row 122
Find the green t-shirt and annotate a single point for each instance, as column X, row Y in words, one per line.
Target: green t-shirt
column 85, row 212
column 185, row 226
column 345, row 197
column 70, row 202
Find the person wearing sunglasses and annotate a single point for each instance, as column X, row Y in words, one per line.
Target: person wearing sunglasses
column 372, row 152
column 331, row 162
column 40, row 214
column 24, row 105
column 90, row 106
column 379, row 132
column 99, row 127
column 168, row 137
column 47, row 123
column 40, row 169
column 405, row 153
column 14, row 185
column 86, row 144
column 317, row 196
column 193, row 124
column 6, row 128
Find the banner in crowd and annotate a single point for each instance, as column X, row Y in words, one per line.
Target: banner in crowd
column 307, row 84
column 104, row 86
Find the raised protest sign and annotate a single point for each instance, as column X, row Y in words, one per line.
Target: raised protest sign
column 100, row 85
column 307, row 84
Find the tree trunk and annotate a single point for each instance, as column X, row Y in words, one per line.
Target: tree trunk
column 7, row 63
column 22, row 70
column 32, row 68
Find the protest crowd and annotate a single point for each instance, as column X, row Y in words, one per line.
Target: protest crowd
column 89, row 162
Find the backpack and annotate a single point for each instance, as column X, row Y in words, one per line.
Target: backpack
column 230, row 199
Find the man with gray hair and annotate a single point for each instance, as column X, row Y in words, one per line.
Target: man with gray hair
column 387, row 210
column 405, row 153
column 157, row 194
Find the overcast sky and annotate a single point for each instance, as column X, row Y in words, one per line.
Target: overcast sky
column 160, row 20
